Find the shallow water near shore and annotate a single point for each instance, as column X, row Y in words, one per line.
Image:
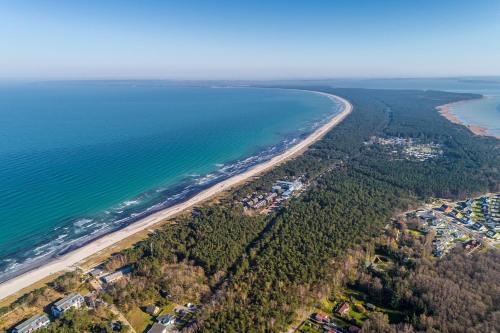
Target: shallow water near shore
column 484, row 113
column 81, row 159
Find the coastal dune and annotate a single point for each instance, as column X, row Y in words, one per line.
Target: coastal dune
column 70, row 260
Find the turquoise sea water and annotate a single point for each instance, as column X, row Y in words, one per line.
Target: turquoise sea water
column 80, row 159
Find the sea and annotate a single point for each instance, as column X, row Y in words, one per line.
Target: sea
column 80, row 159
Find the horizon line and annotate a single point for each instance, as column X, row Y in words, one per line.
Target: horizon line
column 410, row 77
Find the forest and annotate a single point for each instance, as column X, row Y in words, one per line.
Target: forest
column 350, row 204
column 458, row 293
column 254, row 273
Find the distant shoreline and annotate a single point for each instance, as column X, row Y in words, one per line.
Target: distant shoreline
column 69, row 260
column 446, row 110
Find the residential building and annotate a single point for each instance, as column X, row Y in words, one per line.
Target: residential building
column 157, row 328
column 166, row 320
column 113, row 277
column 117, row 275
column 321, row 318
column 97, row 272
column 32, row 324
column 72, row 301
column 152, row 310
column 343, row 309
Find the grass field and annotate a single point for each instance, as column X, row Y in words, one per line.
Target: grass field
column 310, row 327
column 139, row 319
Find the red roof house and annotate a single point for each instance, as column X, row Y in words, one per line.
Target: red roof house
column 343, row 309
column 321, row 317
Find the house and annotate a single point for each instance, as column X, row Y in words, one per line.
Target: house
column 320, row 317
column 157, row 328
column 401, row 225
column 97, row 272
column 32, row 324
column 270, row 197
column 260, row 204
column 478, row 226
column 116, row 326
column 117, row 275
column 277, row 189
column 72, row 301
column 91, row 299
column 343, row 309
column 191, row 307
column 370, row 307
column 471, row 245
column 113, row 277
column 492, row 234
column 446, row 209
column 166, row 319
column 152, row 310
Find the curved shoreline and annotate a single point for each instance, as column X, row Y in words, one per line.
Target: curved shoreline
column 446, row 110
column 69, row 260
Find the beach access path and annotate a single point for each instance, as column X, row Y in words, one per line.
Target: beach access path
column 70, row 260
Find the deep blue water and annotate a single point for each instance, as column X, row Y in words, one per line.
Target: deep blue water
column 79, row 159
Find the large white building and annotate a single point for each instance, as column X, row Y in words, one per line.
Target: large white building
column 72, row 301
column 32, row 324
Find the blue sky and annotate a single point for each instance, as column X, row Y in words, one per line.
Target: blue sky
column 248, row 39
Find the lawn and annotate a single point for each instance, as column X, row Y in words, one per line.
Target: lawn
column 139, row 319
column 382, row 262
column 358, row 297
column 340, row 322
column 327, row 306
column 310, row 327
column 461, row 240
column 83, row 290
column 415, row 233
column 358, row 313
column 168, row 309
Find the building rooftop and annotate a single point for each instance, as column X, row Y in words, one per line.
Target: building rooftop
column 32, row 323
column 67, row 301
column 157, row 328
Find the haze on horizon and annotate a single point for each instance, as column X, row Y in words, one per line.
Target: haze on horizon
column 273, row 39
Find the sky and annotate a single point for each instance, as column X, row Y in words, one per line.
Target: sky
column 273, row 39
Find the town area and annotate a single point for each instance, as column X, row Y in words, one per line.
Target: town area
column 269, row 201
column 471, row 225
column 407, row 148
column 166, row 317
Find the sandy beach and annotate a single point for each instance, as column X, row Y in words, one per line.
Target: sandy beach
column 446, row 111
column 70, row 260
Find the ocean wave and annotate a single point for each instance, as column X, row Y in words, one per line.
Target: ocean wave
column 80, row 223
